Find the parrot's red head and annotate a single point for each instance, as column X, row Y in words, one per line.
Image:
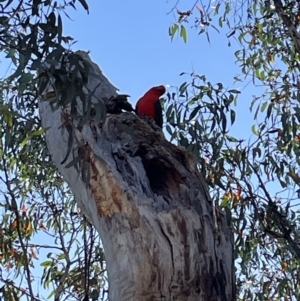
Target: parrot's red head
column 159, row 90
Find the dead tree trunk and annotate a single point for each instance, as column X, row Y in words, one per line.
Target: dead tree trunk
column 163, row 240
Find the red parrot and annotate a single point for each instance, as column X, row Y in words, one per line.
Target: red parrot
column 149, row 104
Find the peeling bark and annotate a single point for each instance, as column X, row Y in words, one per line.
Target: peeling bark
column 163, row 239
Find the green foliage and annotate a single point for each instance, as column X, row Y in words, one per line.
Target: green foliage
column 175, row 28
column 41, row 227
column 255, row 179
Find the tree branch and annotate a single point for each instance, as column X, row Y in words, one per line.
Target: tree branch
column 161, row 235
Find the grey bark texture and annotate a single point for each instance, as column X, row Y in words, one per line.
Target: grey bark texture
column 163, row 239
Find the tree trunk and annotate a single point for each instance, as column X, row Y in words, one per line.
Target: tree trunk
column 163, row 239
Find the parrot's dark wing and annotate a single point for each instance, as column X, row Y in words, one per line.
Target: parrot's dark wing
column 158, row 114
column 116, row 104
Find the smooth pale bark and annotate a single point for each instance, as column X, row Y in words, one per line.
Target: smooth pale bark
column 163, row 239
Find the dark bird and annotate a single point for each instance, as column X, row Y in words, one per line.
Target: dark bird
column 149, row 104
column 115, row 104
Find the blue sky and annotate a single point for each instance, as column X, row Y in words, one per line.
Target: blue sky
column 129, row 40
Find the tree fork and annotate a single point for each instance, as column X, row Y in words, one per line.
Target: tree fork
column 162, row 237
